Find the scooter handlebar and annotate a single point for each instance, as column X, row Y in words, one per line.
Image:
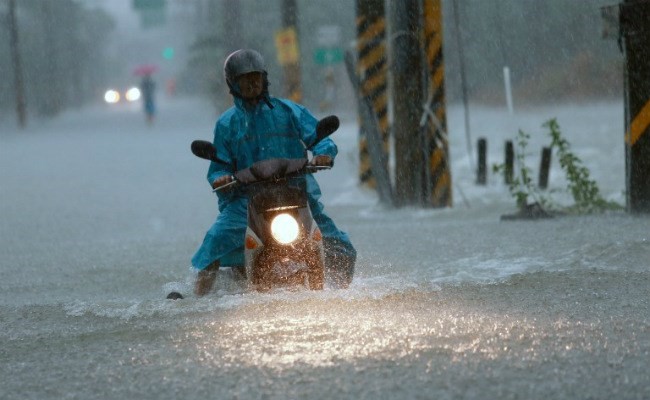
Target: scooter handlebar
column 234, row 182
column 315, row 168
column 309, row 169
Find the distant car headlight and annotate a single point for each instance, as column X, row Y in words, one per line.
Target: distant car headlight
column 132, row 94
column 111, row 96
column 284, row 228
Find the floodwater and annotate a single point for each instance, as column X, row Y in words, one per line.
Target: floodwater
column 101, row 214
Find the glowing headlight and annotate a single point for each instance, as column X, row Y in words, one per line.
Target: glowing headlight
column 284, row 228
column 111, row 96
column 133, row 94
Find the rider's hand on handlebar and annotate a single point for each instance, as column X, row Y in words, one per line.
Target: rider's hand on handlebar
column 221, row 181
column 324, row 161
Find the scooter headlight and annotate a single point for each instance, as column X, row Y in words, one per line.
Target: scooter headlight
column 284, row 228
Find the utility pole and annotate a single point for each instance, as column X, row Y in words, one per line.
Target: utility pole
column 408, row 87
column 635, row 32
column 17, row 65
column 289, row 38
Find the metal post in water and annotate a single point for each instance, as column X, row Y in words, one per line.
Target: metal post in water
column 544, row 167
column 481, row 171
column 509, row 162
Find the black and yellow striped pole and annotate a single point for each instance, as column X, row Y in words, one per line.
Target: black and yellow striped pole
column 438, row 189
column 372, row 69
column 635, row 30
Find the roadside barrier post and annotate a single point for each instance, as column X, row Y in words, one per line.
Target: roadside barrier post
column 544, row 167
column 509, row 162
column 481, row 172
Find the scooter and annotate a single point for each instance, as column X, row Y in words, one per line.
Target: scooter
column 283, row 246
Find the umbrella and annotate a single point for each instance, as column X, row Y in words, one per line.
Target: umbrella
column 145, row 69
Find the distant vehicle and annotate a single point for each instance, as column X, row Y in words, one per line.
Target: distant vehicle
column 114, row 96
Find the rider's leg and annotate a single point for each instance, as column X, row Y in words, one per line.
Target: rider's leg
column 224, row 237
column 340, row 257
column 205, row 279
column 239, row 273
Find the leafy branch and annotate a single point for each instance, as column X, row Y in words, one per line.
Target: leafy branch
column 584, row 190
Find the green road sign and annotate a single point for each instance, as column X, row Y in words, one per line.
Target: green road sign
column 152, row 18
column 328, row 56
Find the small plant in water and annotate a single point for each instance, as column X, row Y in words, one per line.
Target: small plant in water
column 584, row 190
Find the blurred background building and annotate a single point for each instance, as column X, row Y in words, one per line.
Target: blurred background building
column 72, row 50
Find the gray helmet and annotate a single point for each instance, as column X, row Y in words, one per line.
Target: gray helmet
column 242, row 62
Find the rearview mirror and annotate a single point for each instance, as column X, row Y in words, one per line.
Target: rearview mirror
column 204, row 149
column 326, row 127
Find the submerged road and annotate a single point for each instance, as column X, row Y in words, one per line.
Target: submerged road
column 101, row 214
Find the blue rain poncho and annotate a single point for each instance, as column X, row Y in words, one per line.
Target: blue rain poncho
column 244, row 135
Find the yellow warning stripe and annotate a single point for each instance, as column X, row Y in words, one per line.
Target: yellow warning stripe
column 639, row 125
column 433, row 13
column 373, row 82
column 435, row 160
column 433, row 48
column 442, row 188
column 441, row 193
column 433, row 18
column 438, row 77
column 441, row 114
column 373, row 58
column 380, row 103
column 376, row 28
column 383, row 125
column 360, row 20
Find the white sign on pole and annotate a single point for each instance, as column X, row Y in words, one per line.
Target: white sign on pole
column 328, row 35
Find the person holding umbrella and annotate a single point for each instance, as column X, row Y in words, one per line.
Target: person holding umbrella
column 147, row 88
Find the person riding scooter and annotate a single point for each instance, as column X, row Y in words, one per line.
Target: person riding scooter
column 256, row 128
